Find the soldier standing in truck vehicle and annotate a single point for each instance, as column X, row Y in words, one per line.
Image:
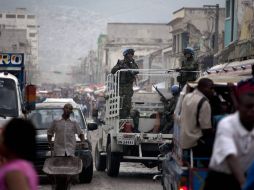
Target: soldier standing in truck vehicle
column 126, row 80
column 189, row 67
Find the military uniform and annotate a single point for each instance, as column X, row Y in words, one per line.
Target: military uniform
column 188, row 65
column 125, row 84
column 167, row 120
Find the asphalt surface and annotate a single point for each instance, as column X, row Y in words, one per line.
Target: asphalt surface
column 132, row 176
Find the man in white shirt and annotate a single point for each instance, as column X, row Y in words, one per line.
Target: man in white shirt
column 65, row 130
column 234, row 143
column 196, row 122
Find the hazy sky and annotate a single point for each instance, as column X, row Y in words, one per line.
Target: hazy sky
column 70, row 28
column 118, row 10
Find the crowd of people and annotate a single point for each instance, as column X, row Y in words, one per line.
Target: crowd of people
column 228, row 140
column 18, row 149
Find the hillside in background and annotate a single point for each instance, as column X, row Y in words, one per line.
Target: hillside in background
column 66, row 35
column 69, row 29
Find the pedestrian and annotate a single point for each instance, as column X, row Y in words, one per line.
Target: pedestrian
column 64, row 131
column 189, row 67
column 126, row 80
column 234, row 143
column 18, row 151
column 196, row 131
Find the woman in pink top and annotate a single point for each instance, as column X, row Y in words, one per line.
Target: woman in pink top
column 17, row 149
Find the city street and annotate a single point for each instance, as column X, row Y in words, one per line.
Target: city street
column 132, row 176
column 155, row 89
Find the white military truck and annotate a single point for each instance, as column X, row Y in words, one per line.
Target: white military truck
column 133, row 139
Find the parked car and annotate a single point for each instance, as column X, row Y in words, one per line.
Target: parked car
column 43, row 116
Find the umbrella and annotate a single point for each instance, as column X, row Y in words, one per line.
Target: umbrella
column 88, row 89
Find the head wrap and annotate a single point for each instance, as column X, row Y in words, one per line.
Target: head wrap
column 245, row 87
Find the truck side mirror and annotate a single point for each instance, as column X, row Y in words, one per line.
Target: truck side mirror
column 92, row 126
column 179, row 79
column 30, row 97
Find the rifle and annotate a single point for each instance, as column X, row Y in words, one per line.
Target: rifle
column 163, row 98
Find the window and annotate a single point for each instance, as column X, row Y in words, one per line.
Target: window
column 32, row 34
column 21, row 16
column 10, row 16
column 227, row 8
column 31, row 16
column 22, row 44
column 174, row 44
column 180, row 41
column 31, row 26
column 185, row 39
column 1, row 15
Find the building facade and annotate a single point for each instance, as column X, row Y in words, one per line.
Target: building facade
column 239, row 31
column 196, row 28
column 11, row 24
column 101, row 53
column 144, row 38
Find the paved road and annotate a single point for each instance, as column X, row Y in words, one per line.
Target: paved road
column 132, row 176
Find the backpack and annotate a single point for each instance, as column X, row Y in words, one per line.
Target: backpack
column 200, row 103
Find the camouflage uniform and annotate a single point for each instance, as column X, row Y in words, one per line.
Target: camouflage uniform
column 188, row 65
column 125, row 84
column 167, row 120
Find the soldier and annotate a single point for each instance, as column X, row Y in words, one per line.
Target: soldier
column 169, row 108
column 126, row 80
column 188, row 64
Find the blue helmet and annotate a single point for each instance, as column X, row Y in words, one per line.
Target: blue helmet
column 175, row 89
column 127, row 51
column 188, row 50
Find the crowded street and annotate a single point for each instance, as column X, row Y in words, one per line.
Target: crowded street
column 133, row 176
column 127, row 95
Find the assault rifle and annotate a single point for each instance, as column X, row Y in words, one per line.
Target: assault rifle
column 163, row 98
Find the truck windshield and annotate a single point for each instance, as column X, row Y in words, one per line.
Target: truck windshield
column 8, row 100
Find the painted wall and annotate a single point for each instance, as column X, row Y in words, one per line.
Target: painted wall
column 245, row 15
column 227, row 37
column 145, row 38
column 243, row 21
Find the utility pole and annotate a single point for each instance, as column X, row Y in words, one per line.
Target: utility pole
column 216, row 33
column 216, row 30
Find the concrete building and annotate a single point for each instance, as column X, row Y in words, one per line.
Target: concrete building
column 102, row 52
column 19, row 20
column 239, row 23
column 196, row 28
column 13, row 40
column 145, row 38
column 239, row 31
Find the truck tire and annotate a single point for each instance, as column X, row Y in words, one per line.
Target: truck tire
column 86, row 175
column 113, row 162
column 100, row 161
